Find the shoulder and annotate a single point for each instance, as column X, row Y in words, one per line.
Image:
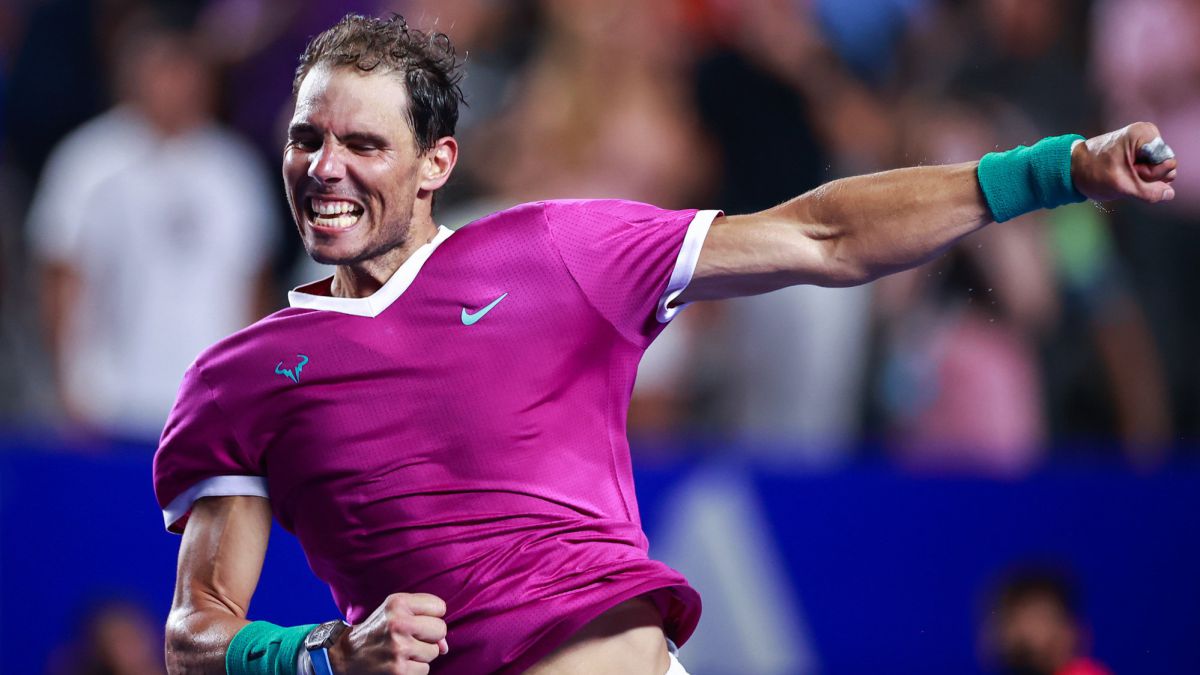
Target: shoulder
column 549, row 213
column 621, row 209
column 252, row 348
column 521, row 215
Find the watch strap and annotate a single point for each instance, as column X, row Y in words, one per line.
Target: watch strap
column 320, row 661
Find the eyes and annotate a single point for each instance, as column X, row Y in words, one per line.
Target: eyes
column 307, row 143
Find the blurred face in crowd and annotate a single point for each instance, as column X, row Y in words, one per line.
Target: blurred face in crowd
column 168, row 81
column 1036, row 636
column 352, row 169
column 1024, row 29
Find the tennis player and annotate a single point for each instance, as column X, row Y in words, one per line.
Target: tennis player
column 441, row 423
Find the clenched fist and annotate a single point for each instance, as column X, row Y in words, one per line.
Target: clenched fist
column 1115, row 165
column 402, row 637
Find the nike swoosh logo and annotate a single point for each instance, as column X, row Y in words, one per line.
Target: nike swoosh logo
column 469, row 319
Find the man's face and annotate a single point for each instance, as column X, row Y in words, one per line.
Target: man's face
column 351, row 167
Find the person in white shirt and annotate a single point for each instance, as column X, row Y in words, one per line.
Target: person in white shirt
column 153, row 227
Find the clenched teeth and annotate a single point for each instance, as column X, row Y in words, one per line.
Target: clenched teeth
column 342, row 221
column 332, row 207
column 334, row 213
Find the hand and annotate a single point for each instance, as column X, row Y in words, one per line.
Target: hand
column 401, row 637
column 1109, row 166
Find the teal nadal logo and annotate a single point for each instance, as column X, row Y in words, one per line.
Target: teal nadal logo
column 292, row 374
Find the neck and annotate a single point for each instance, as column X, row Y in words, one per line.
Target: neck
column 360, row 279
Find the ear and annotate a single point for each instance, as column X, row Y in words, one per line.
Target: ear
column 438, row 162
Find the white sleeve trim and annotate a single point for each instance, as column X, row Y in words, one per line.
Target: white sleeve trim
column 685, row 264
column 218, row 486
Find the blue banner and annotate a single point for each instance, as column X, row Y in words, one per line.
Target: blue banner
column 864, row 569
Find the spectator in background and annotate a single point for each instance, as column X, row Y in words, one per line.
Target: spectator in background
column 1160, row 245
column 1102, row 373
column 1034, row 627
column 793, row 377
column 152, row 227
column 116, row 637
column 602, row 109
column 986, row 357
column 960, row 384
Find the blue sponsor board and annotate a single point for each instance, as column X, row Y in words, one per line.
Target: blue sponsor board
column 863, row 569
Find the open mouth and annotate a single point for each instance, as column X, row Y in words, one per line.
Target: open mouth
column 334, row 214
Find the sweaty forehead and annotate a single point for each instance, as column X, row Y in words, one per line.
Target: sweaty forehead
column 348, row 99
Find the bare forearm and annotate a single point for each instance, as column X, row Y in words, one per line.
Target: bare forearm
column 881, row 223
column 857, row 229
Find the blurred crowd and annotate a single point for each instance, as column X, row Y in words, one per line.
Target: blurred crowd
column 144, row 219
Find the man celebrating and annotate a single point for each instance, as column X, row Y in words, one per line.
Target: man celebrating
column 442, row 422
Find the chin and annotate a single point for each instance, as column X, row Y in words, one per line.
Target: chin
column 328, row 257
column 327, row 254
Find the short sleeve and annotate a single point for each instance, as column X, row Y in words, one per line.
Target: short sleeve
column 199, row 455
column 631, row 260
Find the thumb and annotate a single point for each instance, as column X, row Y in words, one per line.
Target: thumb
column 1158, row 191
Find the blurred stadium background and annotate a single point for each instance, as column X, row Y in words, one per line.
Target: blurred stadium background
column 985, row 464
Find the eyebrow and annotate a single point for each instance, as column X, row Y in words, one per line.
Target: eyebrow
column 300, row 128
column 364, row 137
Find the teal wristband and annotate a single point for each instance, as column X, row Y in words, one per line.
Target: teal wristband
column 262, row 648
column 1027, row 179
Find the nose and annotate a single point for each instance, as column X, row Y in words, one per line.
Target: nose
column 326, row 165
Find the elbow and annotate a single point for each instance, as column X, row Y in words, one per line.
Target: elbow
column 182, row 644
column 841, row 268
column 176, row 645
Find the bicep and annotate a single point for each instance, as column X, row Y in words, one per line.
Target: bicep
column 220, row 560
column 759, row 253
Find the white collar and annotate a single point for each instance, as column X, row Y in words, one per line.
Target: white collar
column 374, row 304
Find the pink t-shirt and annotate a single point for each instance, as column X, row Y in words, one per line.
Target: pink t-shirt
column 460, row 432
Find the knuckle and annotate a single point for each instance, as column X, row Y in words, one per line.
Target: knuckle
column 399, row 625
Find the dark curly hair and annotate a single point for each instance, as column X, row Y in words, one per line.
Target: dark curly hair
column 425, row 61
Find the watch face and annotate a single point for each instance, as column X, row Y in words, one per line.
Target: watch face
column 325, row 635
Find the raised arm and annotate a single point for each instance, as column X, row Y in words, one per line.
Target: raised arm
column 858, row 229
column 220, row 561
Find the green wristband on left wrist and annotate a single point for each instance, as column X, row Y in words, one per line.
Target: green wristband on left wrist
column 262, row 648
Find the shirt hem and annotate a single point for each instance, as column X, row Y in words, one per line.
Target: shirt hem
column 563, row 631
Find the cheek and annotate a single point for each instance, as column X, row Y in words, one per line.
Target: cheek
column 395, row 189
column 293, row 170
column 294, row 163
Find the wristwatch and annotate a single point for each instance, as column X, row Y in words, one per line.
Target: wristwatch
column 320, row 640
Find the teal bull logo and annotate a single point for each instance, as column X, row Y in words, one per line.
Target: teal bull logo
column 292, row 374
